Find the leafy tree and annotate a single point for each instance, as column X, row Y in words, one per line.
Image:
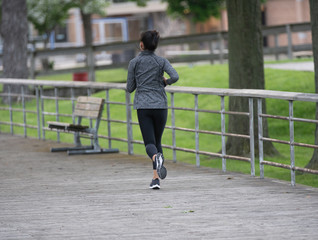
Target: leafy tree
column 88, row 8
column 46, row 15
column 193, row 10
column 313, row 163
column 14, row 32
column 196, row 11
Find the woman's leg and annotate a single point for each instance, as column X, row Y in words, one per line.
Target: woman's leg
column 152, row 123
column 147, row 129
column 160, row 120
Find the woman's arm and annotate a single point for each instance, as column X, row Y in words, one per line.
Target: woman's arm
column 131, row 81
column 171, row 72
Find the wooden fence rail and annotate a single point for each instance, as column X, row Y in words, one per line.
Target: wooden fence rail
column 215, row 46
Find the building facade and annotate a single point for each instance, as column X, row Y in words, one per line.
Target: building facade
column 125, row 20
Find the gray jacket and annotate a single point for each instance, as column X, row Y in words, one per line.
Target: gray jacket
column 145, row 75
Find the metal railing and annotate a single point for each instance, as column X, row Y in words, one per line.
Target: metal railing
column 40, row 114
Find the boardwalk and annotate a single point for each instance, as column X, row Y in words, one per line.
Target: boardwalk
column 47, row 195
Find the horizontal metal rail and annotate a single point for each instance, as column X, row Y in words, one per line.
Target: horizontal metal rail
column 289, row 143
column 210, row 111
column 18, row 124
column 286, row 166
column 288, row 118
column 41, row 113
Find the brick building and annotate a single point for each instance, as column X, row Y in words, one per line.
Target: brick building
column 125, row 20
column 280, row 12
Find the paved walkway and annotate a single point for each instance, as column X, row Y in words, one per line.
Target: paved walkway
column 296, row 66
column 47, row 195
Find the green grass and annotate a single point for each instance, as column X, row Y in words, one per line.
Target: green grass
column 213, row 76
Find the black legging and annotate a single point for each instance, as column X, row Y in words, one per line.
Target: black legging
column 152, row 123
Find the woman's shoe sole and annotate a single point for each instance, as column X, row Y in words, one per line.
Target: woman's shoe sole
column 162, row 172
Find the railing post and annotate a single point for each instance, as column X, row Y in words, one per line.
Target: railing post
column 91, row 64
column 57, row 117
column 10, row 109
column 291, row 143
column 260, row 138
column 196, row 113
column 251, row 116
column 76, row 142
column 108, row 119
column 223, row 134
column 42, row 111
column 32, row 63
column 129, row 125
column 38, row 110
column 276, row 47
column 73, row 104
column 173, row 125
column 211, row 52
column 221, row 47
column 23, row 111
column 89, row 93
column 290, row 42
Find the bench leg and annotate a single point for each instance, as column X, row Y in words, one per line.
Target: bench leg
column 92, row 151
column 64, row 149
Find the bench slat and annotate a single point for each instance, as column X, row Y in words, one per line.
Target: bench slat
column 58, row 123
column 85, row 113
column 90, row 100
column 88, row 106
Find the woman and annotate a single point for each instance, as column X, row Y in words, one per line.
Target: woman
column 145, row 75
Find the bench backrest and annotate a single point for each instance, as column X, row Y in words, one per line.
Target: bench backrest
column 89, row 107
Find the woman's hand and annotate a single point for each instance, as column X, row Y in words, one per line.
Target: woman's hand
column 165, row 81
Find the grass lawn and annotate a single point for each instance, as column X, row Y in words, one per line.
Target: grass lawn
column 214, row 76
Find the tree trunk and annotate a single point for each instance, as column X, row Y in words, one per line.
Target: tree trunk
column 246, row 70
column 14, row 31
column 87, row 28
column 313, row 163
column 46, row 64
column 90, row 61
column 193, row 30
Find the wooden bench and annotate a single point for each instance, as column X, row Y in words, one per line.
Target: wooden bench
column 86, row 107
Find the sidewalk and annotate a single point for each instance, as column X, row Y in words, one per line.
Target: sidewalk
column 296, row 66
column 46, row 195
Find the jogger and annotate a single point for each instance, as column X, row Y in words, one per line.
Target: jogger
column 146, row 76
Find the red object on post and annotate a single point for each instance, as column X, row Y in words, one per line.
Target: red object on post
column 80, row 76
